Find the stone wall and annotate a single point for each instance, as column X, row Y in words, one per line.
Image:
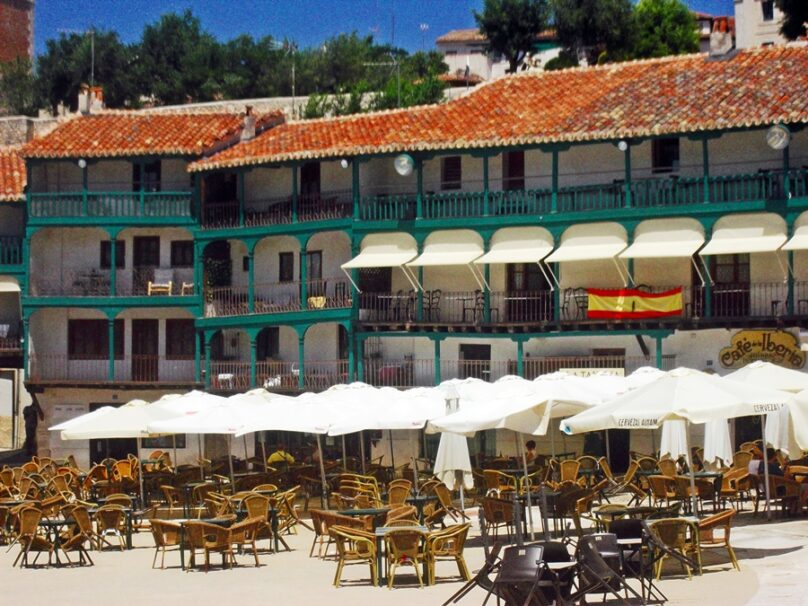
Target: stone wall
column 16, row 130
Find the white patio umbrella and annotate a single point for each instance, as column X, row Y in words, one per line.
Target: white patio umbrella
column 674, row 439
column 99, row 412
column 717, row 443
column 681, row 394
column 452, row 458
column 643, row 376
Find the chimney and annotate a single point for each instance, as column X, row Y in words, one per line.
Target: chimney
column 721, row 38
column 248, row 130
column 91, row 99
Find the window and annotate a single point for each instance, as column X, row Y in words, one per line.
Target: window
column 245, row 263
column 146, row 176
column 182, row 253
column 267, row 345
column 451, row 172
column 286, row 267
column 310, row 179
column 314, row 265
column 180, row 335
column 89, row 340
column 768, row 10
column 665, row 155
column 513, row 170
column 106, row 254
column 730, row 269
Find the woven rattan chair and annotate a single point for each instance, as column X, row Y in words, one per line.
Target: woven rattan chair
column 676, row 536
column 82, row 533
column 714, row 532
column 447, row 544
column 404, row 548
column 209, row 538
column 28, row 537
column 354, row 546
column 109, row 521
column 166, row 536
column 245, row 534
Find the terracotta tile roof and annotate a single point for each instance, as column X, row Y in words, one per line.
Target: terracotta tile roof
column 673, row 95
column 12, row 175
column 128, row 133
column 473, row 35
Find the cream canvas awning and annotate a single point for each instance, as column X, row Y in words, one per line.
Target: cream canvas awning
column 384, row 250
column 665, row 238
column 450, row 247
column 518, row 245
column 799, row 241
column 747, row 233
column 9, row 284
column 590, row 242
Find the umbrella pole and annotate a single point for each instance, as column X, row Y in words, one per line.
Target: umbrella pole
column 392, row 456
column 230, row 462
column 527, row 483
column 653, row 443
column 361, row 450
column 264, row 451
column 246, row 454
column 693, row 495
column 322, row 472
column 201, row 462
column 608, row 450
column 462, row 498
column 174, row 440
column 344, row 456
column 765, row 466
column 140, row 476
column 552, row 443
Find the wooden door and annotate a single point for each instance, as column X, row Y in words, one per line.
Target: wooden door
column 145, row 258
column 145, row 339
column 529, row 298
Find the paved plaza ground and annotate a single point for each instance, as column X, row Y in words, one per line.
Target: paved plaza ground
column 773, row 557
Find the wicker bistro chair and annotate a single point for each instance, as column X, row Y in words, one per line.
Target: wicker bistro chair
column 244, row 535
column 667, row 467
column 109, row 521
column 28, row 537
column 663, row 489
column 397, row 494
column 257, row 507
column 209, row 538
column 675, row 537
column 402, row 513
column 404, row 548
column 447, row 544
column 498, row 513
column 497, row 482
column 82, row 533
column 708, row 537
column 166, row 536
column 445, row 500
column 354, row 546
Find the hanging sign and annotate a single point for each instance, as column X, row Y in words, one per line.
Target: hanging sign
column 775, row 346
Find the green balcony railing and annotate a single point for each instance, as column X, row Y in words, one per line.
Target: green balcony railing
column 10, row 250
column 110, row 204
column 387, row 207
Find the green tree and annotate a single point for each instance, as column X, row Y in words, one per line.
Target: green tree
column 594, row 28
column 795, row 17
column 663, row 27
column 18, row 87
column 511, row 27
column 68, row 62
column 179, row 62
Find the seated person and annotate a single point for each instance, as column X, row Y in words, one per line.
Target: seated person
column 530, row 451
column 773, row 464
column 280, row 456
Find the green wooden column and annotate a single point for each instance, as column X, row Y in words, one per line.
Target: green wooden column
column 627, row 184
column 355, row 294
column 351, row 353
column 436, row 361
column 360, row 358
column 84, row 187
column 253, row 360
column 486, row 197
column 487, row 281
column 659, row 353
column 419, row 195
column 26, row 350
column 142, row 191
column 199, row 272
column 251, row 278
column 207, row 363
column 556, row 293
column 113, row 264
column 554, row 186
column 705, row 164
column 301, row 360
column 304, row 279
column 295, row 196
column 786, row 168
column 789, row 275
column 520, row 358
column 355, row 193
column 197, row 358
column 240, row 193
column 111, row 345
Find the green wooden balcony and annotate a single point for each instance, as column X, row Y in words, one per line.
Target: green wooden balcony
column 10, row 250
column 667, row 191
column 162, row 206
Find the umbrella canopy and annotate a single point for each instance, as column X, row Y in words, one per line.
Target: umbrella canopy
column 453, row 456
column 717, row 443
column 99, row 412
column 674, row 439
column 643, row 376
column 273, row 412
column 771, row 375
column 519, row 405
column 681, row 394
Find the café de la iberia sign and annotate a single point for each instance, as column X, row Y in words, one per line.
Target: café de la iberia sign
column 775, row 346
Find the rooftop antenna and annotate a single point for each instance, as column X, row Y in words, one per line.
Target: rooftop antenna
column 424, row 27
column 394, row 64
column 85, row 32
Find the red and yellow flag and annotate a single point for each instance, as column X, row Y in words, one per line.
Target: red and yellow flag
column 628, row 303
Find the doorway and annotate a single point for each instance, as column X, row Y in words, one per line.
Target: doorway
column 115, row 448
column 145, row 258
column 145, row 345
column 529, row 298
column 475, row 362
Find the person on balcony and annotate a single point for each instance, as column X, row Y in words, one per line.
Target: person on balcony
column 280, row 456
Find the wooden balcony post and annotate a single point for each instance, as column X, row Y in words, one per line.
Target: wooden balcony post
column 111, row 345
column 705, row 162
column 486, row 197
column 84, row 187
column 113, row 264
column 789, row 275
column 419, row 195
column 253, row 361
column 304, row 279
column 436, row 360
column 301, row 361
column 556, row 293
column 197, row 360
column 25, row 349
column 627, row 184
column 355, row 193
column 207, row 362
column 486, row 281
column 240, row 189
column 251, row 278
column 554, row 186
column 786, row 179
column 360, row 359
column 294, row 193
column 351, row 355
column 520, row 355
column 659, row 353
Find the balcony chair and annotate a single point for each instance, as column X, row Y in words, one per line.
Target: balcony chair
column 162, row 284
column 433, row 304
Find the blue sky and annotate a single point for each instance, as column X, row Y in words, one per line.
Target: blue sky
column 309, row 22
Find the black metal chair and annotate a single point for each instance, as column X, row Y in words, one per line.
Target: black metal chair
column 482, row 578
column 520, row 569
column 634, row 551
column 599, row 568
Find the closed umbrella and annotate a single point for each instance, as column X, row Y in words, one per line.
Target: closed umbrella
column 717, row 443
column 674, row 439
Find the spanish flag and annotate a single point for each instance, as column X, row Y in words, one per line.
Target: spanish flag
column 630, row 303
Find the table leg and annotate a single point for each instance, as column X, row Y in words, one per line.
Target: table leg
column 380, row 572
column 182, row 547
column 129, row 529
